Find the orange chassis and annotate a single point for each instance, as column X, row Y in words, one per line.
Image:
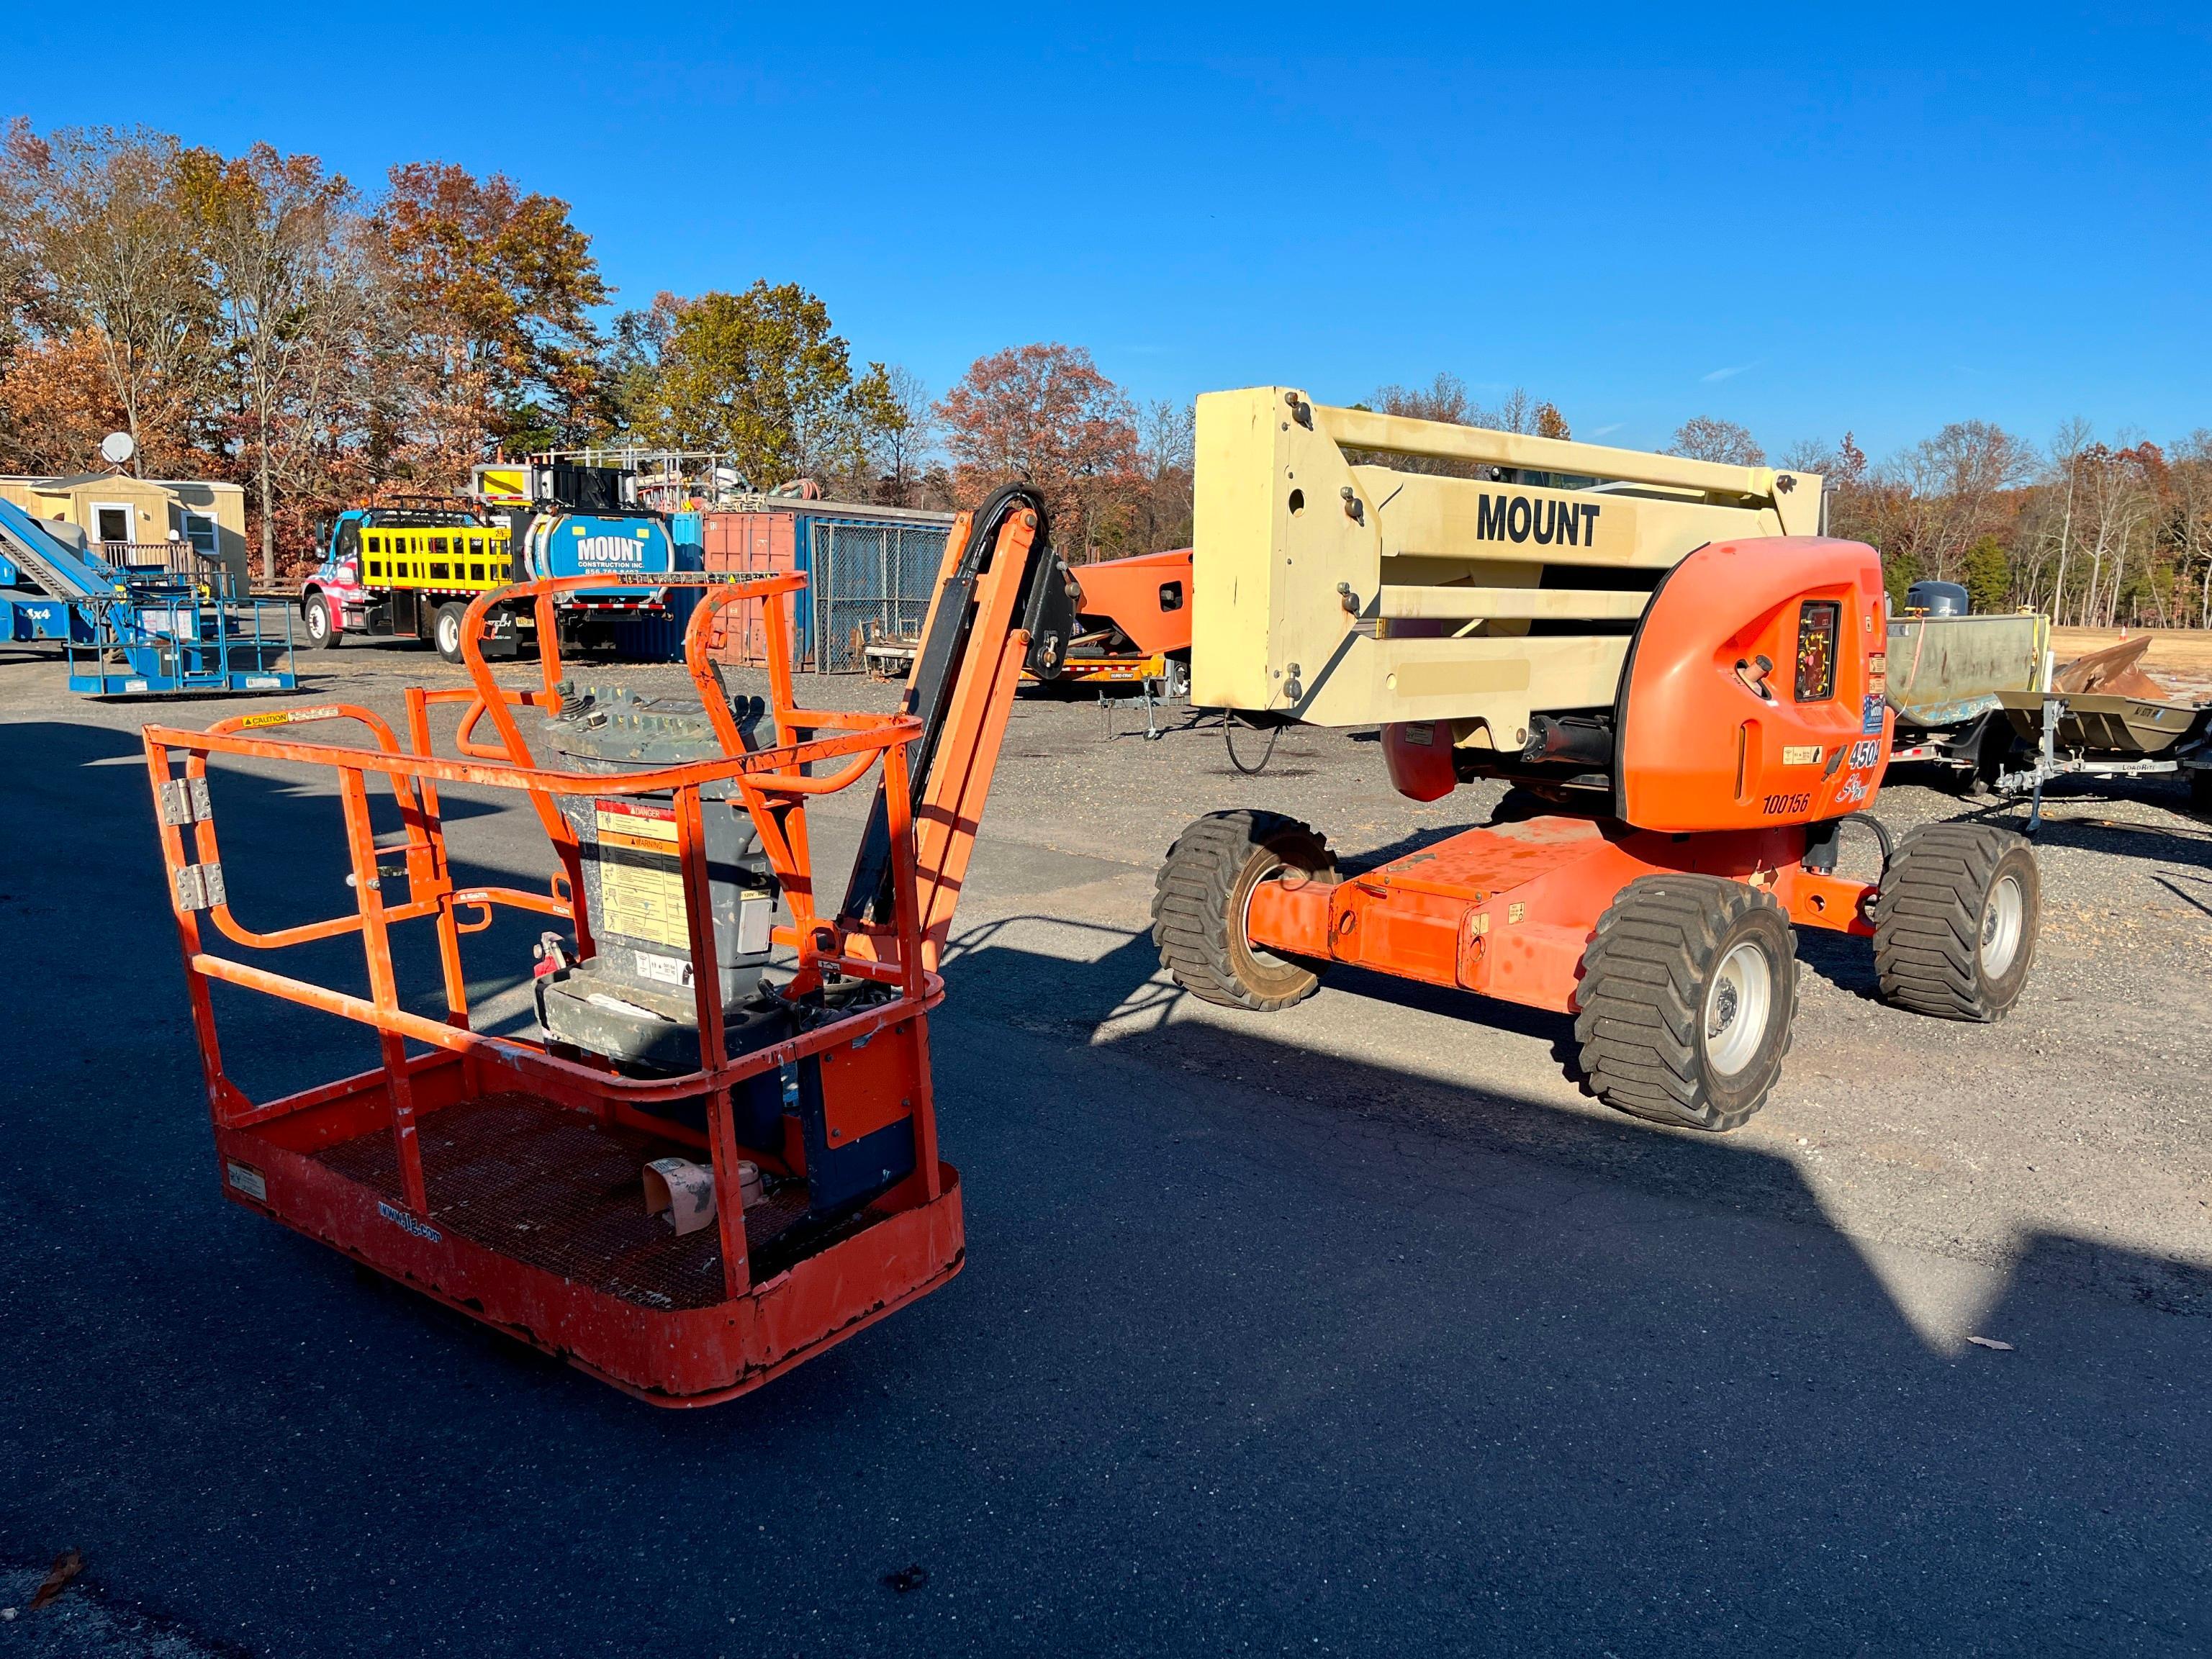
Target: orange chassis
column 1508, row 911
column 475, row 1167
column 1720, row 775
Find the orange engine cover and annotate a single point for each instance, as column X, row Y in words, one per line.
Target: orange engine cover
column 1755, row 694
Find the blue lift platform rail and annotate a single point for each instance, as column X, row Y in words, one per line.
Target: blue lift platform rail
column 131, row 633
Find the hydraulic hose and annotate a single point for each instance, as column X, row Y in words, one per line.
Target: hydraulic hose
column 1880, row 833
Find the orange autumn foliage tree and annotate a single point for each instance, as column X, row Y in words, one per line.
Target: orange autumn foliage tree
column 494, row 286
column 1046, row 414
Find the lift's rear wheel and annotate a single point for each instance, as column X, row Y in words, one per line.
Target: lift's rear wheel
column 321, row 620
column 1954, row 923
column 447, row 630
column 1688, row 993
column 1199, row 899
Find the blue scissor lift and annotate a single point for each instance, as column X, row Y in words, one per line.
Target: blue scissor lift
column 128, row 632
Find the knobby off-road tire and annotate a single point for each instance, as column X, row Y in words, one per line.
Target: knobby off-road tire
column 1689, row 990
column 1954, row 923
column 1200, row 899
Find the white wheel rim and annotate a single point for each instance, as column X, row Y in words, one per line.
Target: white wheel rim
column 315, row 621
column 2005, row 919
column 1738, row 1003
column 449, row 634
column 1259, row 954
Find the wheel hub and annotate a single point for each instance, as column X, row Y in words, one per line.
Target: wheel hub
column 1737, row 1007
column 2005, row 919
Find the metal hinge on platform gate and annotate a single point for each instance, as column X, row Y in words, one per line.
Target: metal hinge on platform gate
column 184, row 800
column 199, row 887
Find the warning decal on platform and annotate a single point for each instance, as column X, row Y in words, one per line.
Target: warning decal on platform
column 640, row 881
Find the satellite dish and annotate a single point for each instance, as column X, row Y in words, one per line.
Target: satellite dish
column 117, row 448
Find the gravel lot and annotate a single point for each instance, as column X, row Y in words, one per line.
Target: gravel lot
column 1356, row 1329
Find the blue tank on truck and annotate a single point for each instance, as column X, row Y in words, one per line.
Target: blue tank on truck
column 636, row 544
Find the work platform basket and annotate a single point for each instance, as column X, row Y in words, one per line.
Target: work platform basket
column 503, row 1175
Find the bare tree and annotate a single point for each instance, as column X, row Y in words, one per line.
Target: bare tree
column 1448, row 398
column 900, row 433
column 1705, row 437
column 1952, row 483
column 1167, row 459
column 2191, row 474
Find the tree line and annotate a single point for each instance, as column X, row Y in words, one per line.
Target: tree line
column 259, row 317
column 2097, row 535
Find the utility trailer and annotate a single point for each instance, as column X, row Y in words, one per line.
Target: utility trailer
column 2107, row 735
column 703, row 1015
column 1684, row 681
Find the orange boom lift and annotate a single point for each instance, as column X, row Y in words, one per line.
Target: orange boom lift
column 1687, row 692
column 508, row 1176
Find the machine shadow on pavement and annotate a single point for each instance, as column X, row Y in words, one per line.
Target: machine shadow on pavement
column 1255, row 1346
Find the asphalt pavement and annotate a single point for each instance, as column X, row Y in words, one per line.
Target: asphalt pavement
column 1354, row 1329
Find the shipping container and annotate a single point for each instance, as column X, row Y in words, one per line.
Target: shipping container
column 869, row 571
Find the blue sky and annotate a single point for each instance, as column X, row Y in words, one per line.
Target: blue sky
column 1804, row 219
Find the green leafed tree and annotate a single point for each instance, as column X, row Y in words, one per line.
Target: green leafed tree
column 762, row 377
column 1988, row 571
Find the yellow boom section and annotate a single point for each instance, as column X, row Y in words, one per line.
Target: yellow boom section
column 1335, row 584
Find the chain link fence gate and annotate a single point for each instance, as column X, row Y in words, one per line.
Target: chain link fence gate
column 870, row 582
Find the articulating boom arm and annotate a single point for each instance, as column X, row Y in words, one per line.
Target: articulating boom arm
column 1335, row 584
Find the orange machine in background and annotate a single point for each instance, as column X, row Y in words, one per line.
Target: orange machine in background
column 1132, row 620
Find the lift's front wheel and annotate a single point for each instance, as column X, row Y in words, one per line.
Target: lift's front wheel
column 1200, row 901
column 1688, row 993
column 1954, row 923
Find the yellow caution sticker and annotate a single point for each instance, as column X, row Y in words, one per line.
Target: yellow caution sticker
column 292, row 716
column 1800, row 754
column 640, row 876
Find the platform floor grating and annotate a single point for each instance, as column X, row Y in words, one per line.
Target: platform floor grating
column 560, row 1191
